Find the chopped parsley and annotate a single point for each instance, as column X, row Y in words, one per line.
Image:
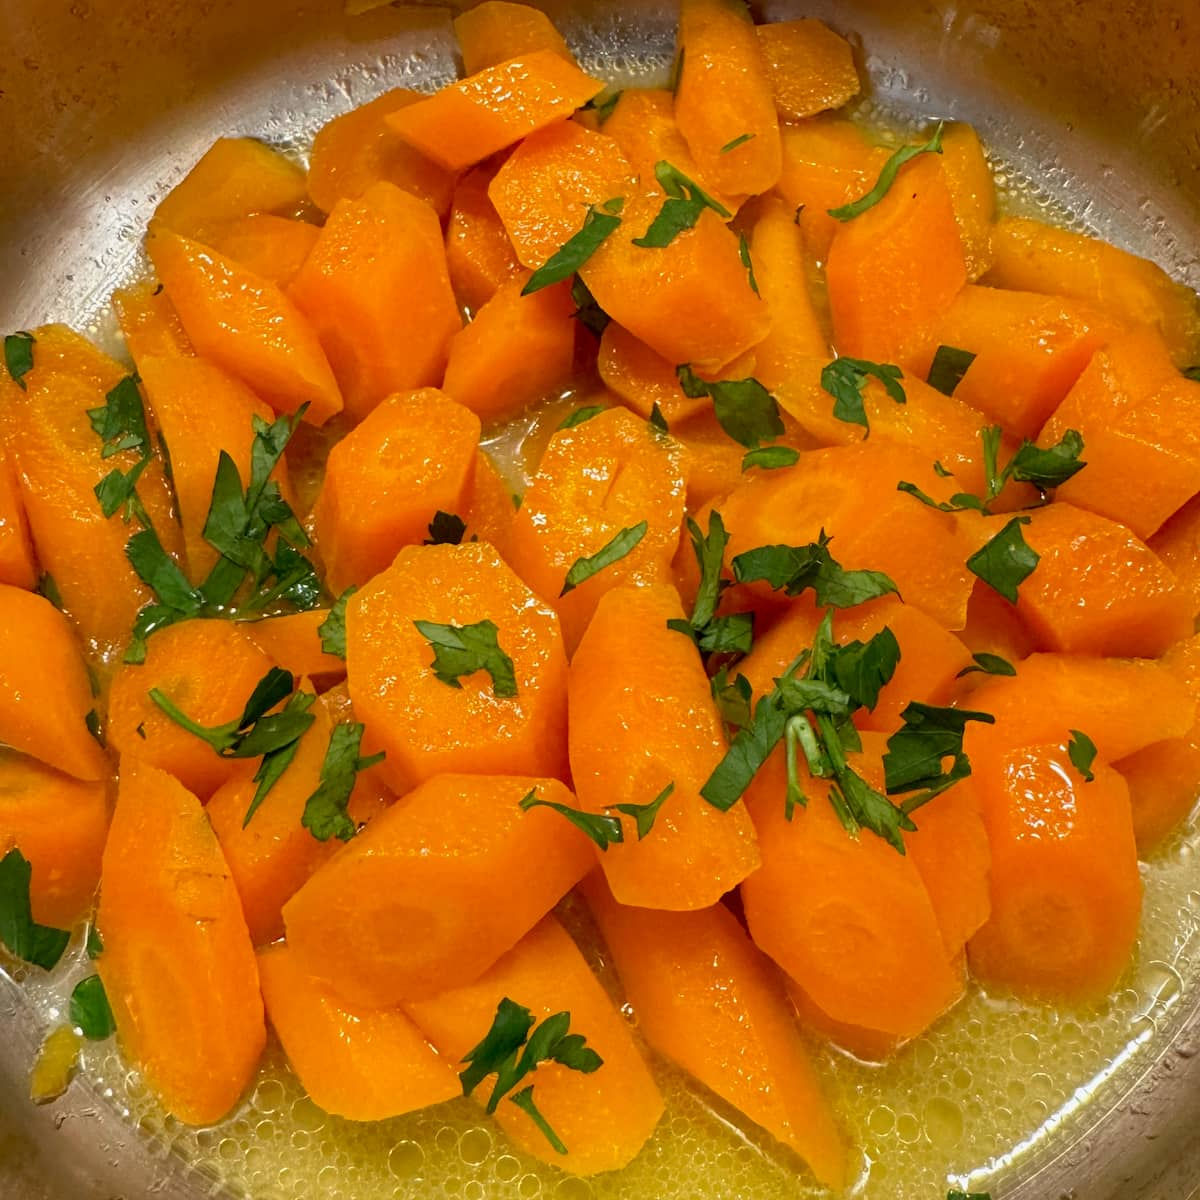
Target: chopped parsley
column 24, row 938
column 603, row 106
column 748, row 263
column 615, row 549
column 948, row 367
column 988, row 664
column 887, row 176
column 733, row 634
column 326, row 810
column 603, row 830
column 90, row 1010
column 745, row 409
column 916, row 753
column 332, row 630
column 685, row 203
column 461, row 650
column 120, row 424
column 580, row 415
column 770, row 458
column 1006, row 560
column 601, row 222
column 446, row 529
column 845, row 380
column 587, row 311
column 18, row 356
column 792, row 569
column 1082, row 752
column 737, row 141
column 657, row 421
column 644, row 815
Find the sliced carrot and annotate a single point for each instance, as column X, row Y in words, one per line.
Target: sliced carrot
column 208, row 669
column 59, row 824
column 272, row 248
column 1037, row 257
column 595, row 481
column 293, row 641
column 1177, row 543
column 246, row 325
column 490, row 510
column 724, row 95
column 177, row 966
column 149, row 323
column 427, row 726
column 1066, row 894
column 494, row 108
column 1164, row 784
column 604, row 1118
column 495, row 31
column 364, row 1064
column 451, row 866
column 809, row 67
column 517, row 349
column 894, row 270
column 995, row 627
column 18, row 564
column 867, row 1045
column 377, row 256
column 385, row 482
column 973, row 190
column 707, row 999
column 359, row 149
column 234, row 178
column 543, row 190
column 479, row 256
column 711, row 462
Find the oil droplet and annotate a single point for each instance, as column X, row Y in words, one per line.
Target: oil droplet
column 405, row 1160
column 943, row 1123
column 506, row 1168
column 475, row 1145
column 1024, row 1048
column 908, row 1128
column 573, row 1189
column 882, row 1120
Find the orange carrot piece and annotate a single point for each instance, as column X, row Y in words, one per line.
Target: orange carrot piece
column 595, row 480
column 642, row 719
column 711, row 462
column 490, row 510
column 1177, row 543
column 427, row 726
column 18, row 564
column 604, row 1118
column 149, row 323
column 496, row 31
column 208, row 669
column 895, row 270
column 995, row 627
column 479, row 256
column 363, row 1064
column 706, row 998
column 724, row 94
column 385, row 481
column 246, row 325
column 234, row 178
column 451, row 867
column 973, row 191
column 494, row 108
column 293, row 641
column 177, row 966
column 377, row 256
column 359, row 149
column 517, row 349
column 809, row 67
column 543, row 190
column 1066, row 894
column 59, row 824
column 1035, row 257
column 867, row 1045
column 272, row 248
column 1164, row 783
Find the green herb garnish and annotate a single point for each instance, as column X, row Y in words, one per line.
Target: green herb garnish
column 748, row 263
column 744, row 408
column 771, row 458
column 685, row 203
column 792, row 569
column 603, row 106
column 604, row 831
column 461, row 650
column 1006, row 561
column 737, row 141
column 644, row 815
column 916, row 753
column 120, row 424
column 18, row 356
column 1082, row 752
column 845, row 380
column 615, row 549
column 90, row 1010
column 988, row 664
column 25, row 939
column 580, row 415
column 326, row 810
column 332, row 630
column 587, row 311
column 601, row 222
column 887, row 176
column 657, row 421
column 948, row 367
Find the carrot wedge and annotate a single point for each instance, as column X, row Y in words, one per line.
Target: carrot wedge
column 149, row 323
column 495, row 31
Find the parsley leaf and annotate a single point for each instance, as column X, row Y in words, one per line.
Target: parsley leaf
column 732, row 698
column 603, row 106
column 587, row 311
column 771, row 458
column 1082, row 752
column 332, row 630
column 1192, row 373
column 685, row 203
column 326, row 810
column 988, row 664
column 959, row 502
column 46, row 586
column 460, row 650
column 604, row 831
column 657, row 421
column 792, row 569
column 121, row 422
column 748, row 263
column 863, row 669
column 18, row 356
column 1006, row 561
column 1050, row 467
column 90, row 1010
column 446, row 529
column 93, row 943
column 644, row 815
column 846, row 378
column 677, row 71
column 710, row 557
column 744, row 408
column 601, row 222
column 40, row 945
column 737, row 141
column 887, row 176
column 580, row 415
column 913, row 762
column 615, row 549
column 751, row 747
column 948, row 367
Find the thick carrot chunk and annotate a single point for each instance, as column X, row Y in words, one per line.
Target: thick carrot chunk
column 18, row 565
column 451, row 867
column 364, row 1064
column 642, row 720
column 293, row 641
column 867, row 1045
column 1066, row 894
column 479, row 256
column 359, row 149
column 995, row 627
column 59, row 824
column 603, row 1118
column 149, row 323
column 705, row 997
column 413, row 456
column 246, row 325
column 809, row 67
column 1177, row 543
column 496, row 31
column 969, row 177
column 377, row 292
column 724, row 95
column 466, row 122
column 428, row 726
column 177, row 966
column 207, row 669
column 596, row 481
column 273, row 248
column 490, row 509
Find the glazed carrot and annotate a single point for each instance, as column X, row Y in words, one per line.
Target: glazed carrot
column 208, row 669
column 867, row 1045
column 1164, row 783
column 44, row 692
column 894, row 270
column 711, row 462
column 603, row 1118
column 724, row 94
column 272, row 248
column 428, row 726
column 595, row 481
column 706, row 998
column 479, row 256
column 377, row 256
column 543, row 190
column 1177, row 543
column 59, row 461
column 517, row 349
column 973, row 190
column 59, row 824
column 451, row 866
column 1066, row 894
column 495, row 31
column 412, row 457
column 293, row 641
column 1041, row 258
column 490, row 510
column 995, row 627
column 234, row 178
column 809, row 67
column 272, row 855
column 359, row 149
column 177, row 966
column 642, row 719
column 494, row 108
column 1138, row 419
column 360, row 1063
column 848, row 918
column 149, row 323
column 201, row 411
column 18, row 566
column 246, row 325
